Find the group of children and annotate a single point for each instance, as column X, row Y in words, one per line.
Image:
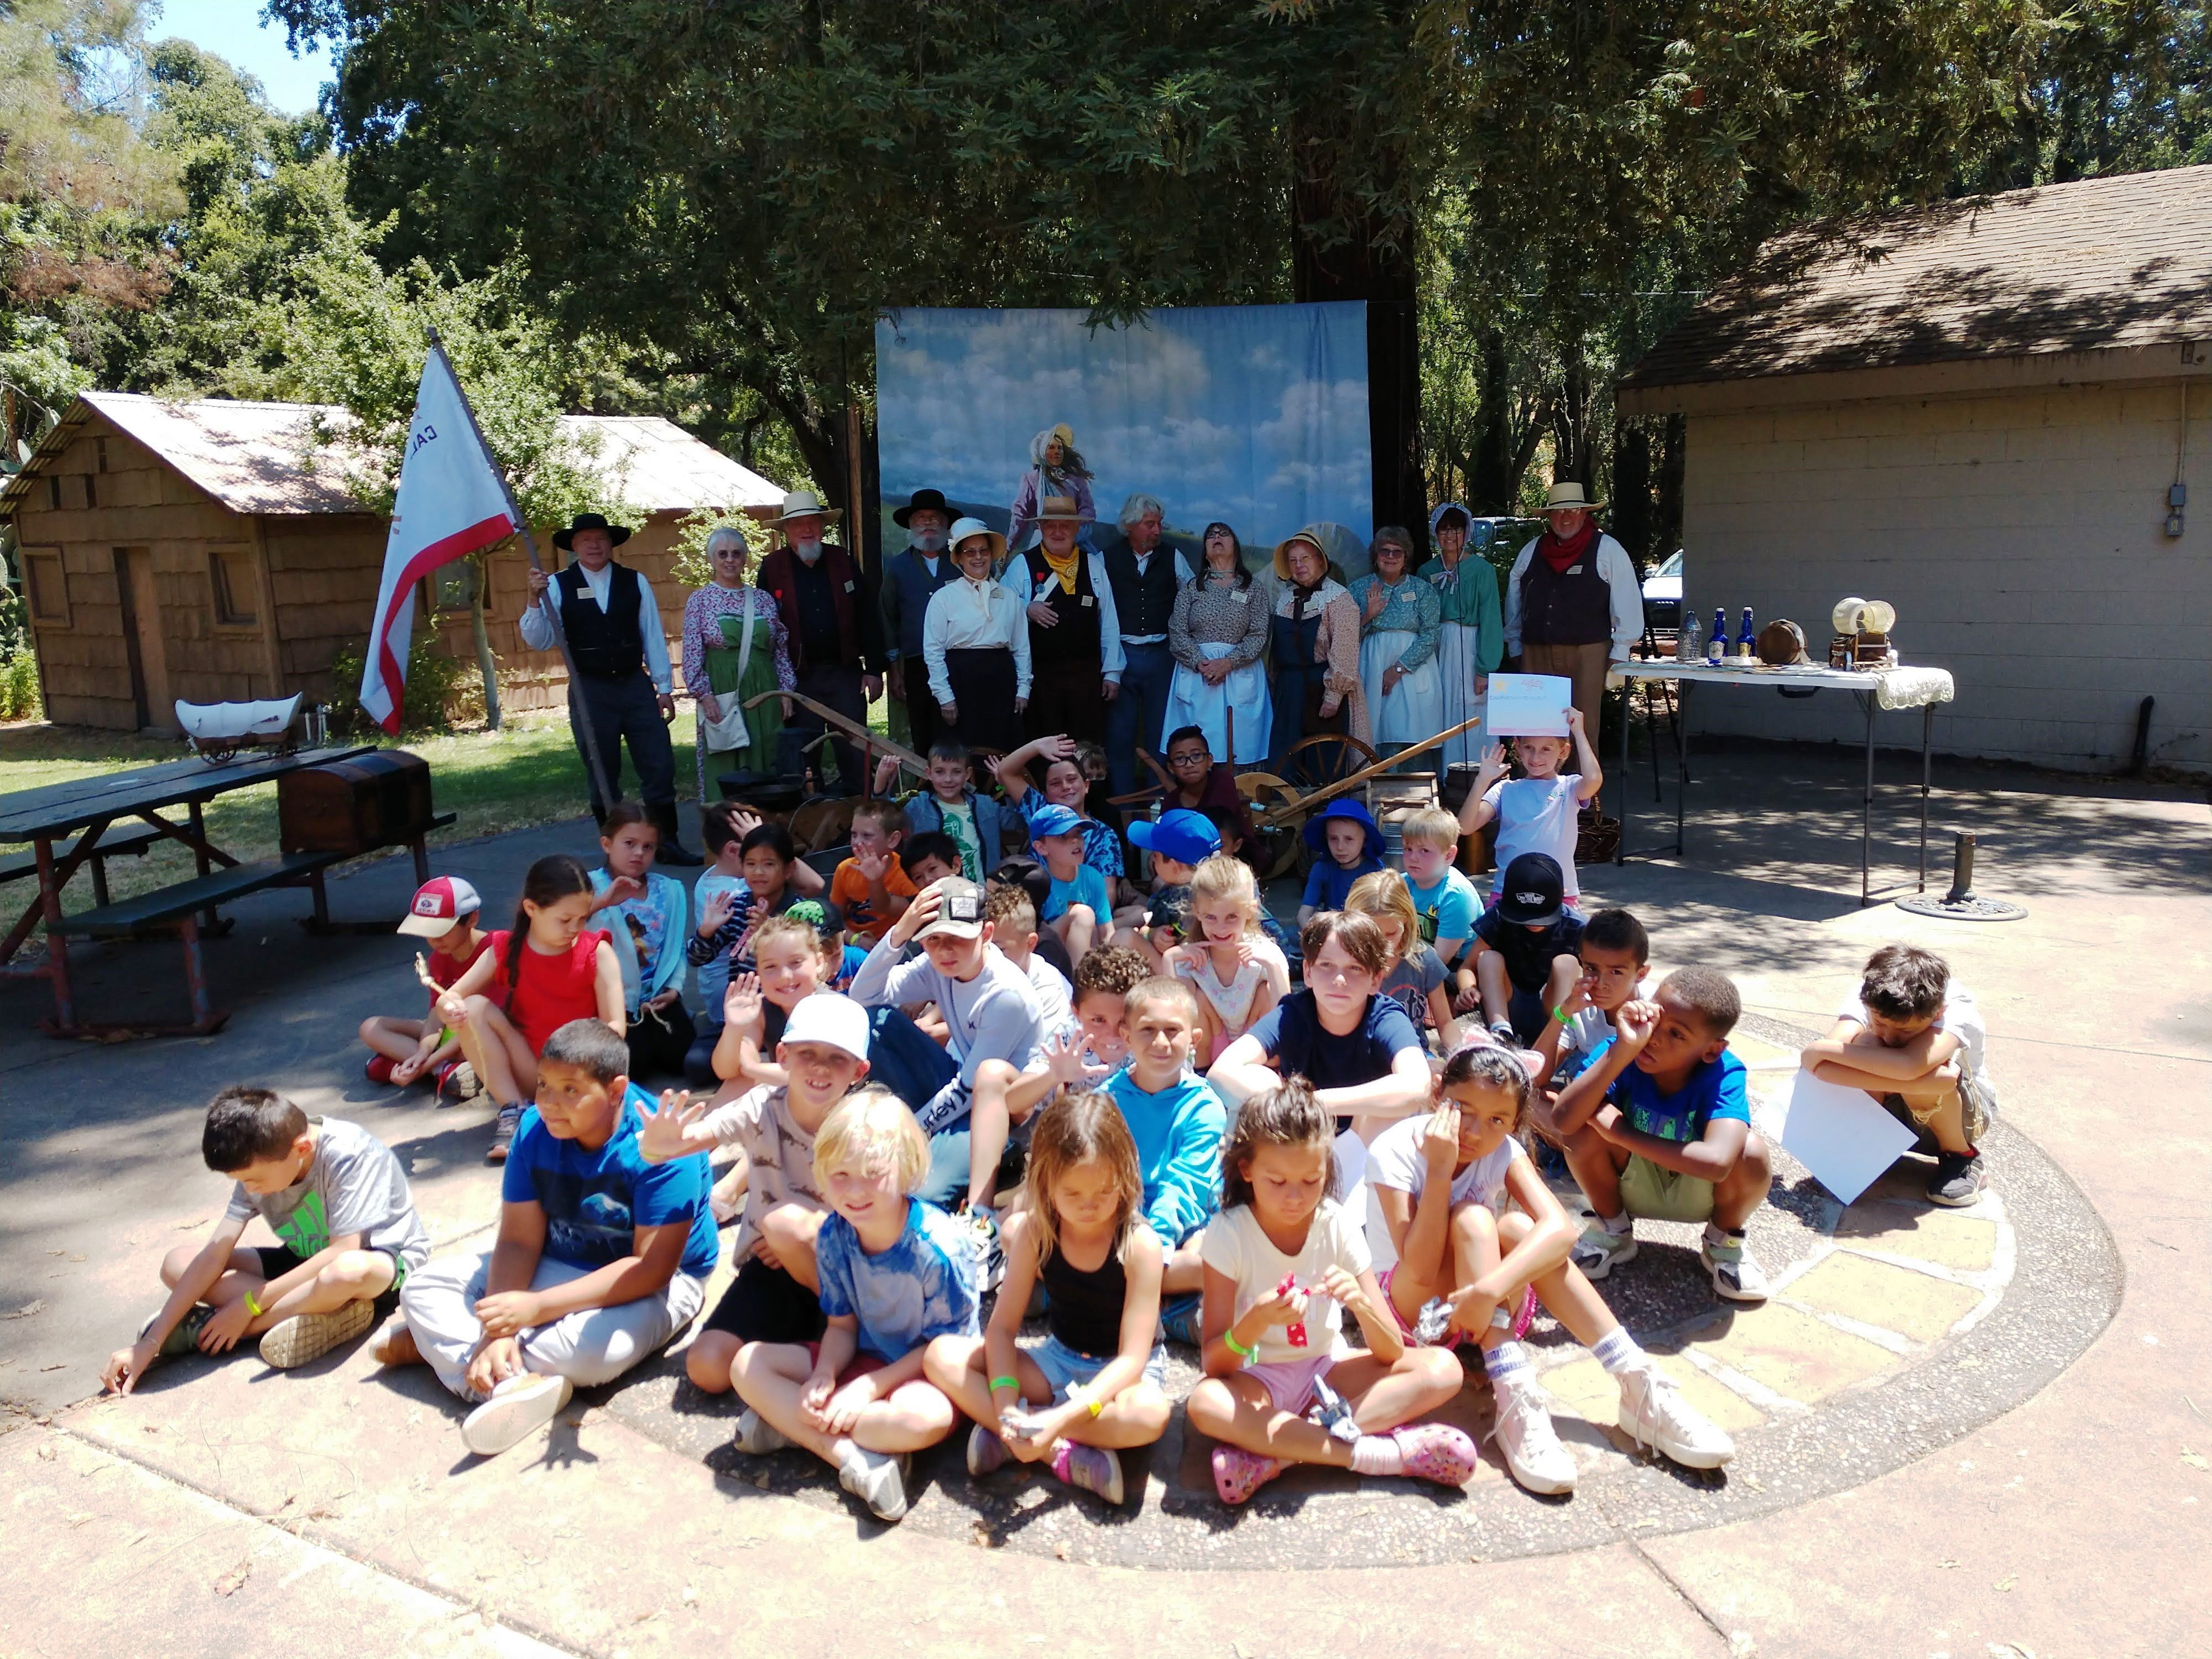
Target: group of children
column 960, row 1090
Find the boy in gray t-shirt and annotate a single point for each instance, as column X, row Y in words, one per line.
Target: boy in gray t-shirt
column 338, row 1199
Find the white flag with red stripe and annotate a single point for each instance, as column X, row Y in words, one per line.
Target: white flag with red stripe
column 452, row 503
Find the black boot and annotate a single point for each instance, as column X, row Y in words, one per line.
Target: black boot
column 672, row 851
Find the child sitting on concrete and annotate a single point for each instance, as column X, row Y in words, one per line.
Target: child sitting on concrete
column 894, row 1274
column 723, row 938
column 1347, row 844
column 1444, row 901
column 871, row 887
column 1525, row 959
column 601, row 1256
column 951, row 805
column 1614, row 953
column 1658, row 1126
column 347, row 1237
column 1078, row 908
column 404, row 1051
column 1179, row 841
column 1912, row 1038
column 1065, row 785
column 646, row 914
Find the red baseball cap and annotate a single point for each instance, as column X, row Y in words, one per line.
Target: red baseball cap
column 440, row 903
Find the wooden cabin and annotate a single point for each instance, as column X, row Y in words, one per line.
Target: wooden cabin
column 189, row 551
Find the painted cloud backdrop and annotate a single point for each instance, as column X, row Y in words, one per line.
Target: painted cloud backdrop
column 1254, row 414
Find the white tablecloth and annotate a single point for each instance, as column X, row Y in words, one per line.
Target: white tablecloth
column 1902, row 687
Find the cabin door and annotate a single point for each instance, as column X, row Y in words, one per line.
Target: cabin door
column 141, row 636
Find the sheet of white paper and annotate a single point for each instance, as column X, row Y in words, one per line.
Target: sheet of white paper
column 1842, row 1135
column 1527, row 706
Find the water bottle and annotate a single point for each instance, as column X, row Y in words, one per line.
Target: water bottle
column 1717, row 646
column 1746, row 643
column 1686, row 648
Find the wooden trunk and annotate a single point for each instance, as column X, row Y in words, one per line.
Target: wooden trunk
column 380, row 799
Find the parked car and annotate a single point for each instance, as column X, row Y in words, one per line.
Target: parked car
column 1662, row 595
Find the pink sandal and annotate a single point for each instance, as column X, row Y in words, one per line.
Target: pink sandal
column 1238, row 1474
column 1432, row 1451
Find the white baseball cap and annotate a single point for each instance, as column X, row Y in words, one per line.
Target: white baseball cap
column 837, row 1022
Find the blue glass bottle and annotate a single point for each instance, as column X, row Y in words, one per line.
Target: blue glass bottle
column 1746, row 643
column 1717, row 644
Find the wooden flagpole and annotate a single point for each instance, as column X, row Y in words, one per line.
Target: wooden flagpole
column 592, row 756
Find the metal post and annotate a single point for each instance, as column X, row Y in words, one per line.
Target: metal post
column 1927, row 742
column 1681, row 764
column 1866, row 807
column 1628, row 713
column 603, row 782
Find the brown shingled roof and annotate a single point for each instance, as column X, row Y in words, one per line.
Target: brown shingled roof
column 2121, row 261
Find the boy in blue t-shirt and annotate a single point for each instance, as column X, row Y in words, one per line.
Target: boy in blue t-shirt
column 1079, row 908
column 601, row 1257
column 1658, row 1125
column 894, row 1273
column 1347, row 844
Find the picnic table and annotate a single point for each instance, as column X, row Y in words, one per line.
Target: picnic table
column 121, row 813
column 1875, row 689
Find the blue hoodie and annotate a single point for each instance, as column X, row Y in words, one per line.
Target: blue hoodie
column 1178, row 1132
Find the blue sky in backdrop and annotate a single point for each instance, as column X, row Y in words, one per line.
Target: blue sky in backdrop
column 1256, row 415
column 233, row 30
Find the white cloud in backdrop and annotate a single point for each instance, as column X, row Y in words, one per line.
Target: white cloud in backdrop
column 1255, row 414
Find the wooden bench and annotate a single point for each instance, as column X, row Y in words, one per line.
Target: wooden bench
column 130, row 843
column 180, row 907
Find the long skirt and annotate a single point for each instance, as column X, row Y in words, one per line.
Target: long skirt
column 1242, row 695
column 983, row 691
column 1457, row 673
column 1412, row 713
column 763, row 725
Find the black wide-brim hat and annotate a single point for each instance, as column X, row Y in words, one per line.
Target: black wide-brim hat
column 933, row 499
column 565, row 540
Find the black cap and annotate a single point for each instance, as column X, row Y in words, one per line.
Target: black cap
column 1534, row 890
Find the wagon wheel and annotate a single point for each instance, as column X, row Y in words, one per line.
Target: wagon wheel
column 1335, row 756
column 1276, row 851
column 821, row 821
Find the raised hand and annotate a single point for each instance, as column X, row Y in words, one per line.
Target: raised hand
column 741, row 1002
column 744, row 823
column 1376, row 599
column 712, row 918
column 874, row 866
column 1440, row 1141
column 1574, row 718
column 887, row 771
column 1636, row 1022
column 667, row 1135
column 621, row 890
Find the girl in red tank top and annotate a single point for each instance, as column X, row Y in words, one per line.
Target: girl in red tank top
column 535, row 977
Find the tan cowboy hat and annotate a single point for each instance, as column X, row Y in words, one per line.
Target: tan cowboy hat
column 1568, row 498
column 966, row 530
column 1062, row 506
column 805, row 504
column 1311, row 538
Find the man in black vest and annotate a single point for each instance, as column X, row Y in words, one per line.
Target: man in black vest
column 1144, row 581
column 908, row 580
column 623, row 684
column 1075, row 635
column 1573, row 604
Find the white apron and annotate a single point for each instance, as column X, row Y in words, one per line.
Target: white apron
column 1410, row 714
column 730, row 733
column 1192, row 701
column 1457, row 674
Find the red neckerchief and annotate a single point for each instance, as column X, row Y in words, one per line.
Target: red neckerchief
column 1560, row 554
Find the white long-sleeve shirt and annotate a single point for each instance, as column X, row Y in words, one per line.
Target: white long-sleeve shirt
column 994, row 1016
column 537, row 622
column 972, row 616
column 1626, row 596
column 1015, row 578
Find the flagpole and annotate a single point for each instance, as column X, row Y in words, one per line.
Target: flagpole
column 581, row 721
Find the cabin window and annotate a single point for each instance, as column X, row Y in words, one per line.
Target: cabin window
column 230, row 575
column 453, row 587
column 91, row 492
column 45, row 586
column 100, row 451
column 54, row 491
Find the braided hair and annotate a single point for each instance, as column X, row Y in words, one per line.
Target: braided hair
column 552, row 878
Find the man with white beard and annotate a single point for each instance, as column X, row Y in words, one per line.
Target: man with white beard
column 834, row 626
column 910, row 578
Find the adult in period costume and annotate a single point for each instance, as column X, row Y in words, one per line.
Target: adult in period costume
column 976, row 647
column 1219, row 634
column 1313, row 650
column 1075, row 632
column 1471, row 633
column 1573, row 603
column 1146, row 581
column 910, row 578
column 835, row 627
column 1398, row 623
column 735, row 648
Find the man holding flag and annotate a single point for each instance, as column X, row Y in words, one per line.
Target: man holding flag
column 619, row 681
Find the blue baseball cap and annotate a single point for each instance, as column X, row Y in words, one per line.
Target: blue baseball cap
column 1055, row 820
column 1187, row 836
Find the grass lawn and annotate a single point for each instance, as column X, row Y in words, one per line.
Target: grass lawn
column 493, row 780
column 527, row 774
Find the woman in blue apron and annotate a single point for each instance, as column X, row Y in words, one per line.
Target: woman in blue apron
column 1217, row 634
column 1398, row 620
column 1472, row 638
column 1314, row 650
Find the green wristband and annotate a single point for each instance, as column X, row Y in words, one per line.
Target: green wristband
column 251, row 1306
column 1237, row 1347
column 998, row 1382
column 1560, row 1015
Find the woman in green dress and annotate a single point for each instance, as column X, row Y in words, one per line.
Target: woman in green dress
column 735, row 648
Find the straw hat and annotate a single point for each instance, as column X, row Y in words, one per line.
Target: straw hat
column 1062, row 506
column 1311, row 538
column 805, row 504
column 966, row 530
column 1568, row 498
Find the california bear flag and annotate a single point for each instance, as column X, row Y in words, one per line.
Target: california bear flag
column 452, row 503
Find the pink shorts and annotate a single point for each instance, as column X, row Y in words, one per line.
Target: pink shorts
column 1520, row 1321
column 1290, row 1383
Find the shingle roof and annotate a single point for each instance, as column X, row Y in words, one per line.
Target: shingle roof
column 2100, row 264
column 248, row 455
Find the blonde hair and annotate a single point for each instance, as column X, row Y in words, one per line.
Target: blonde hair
column 1076, row 1127
column 1432, row 826
column 799, row 927
column 1382, row 895
column 1221, row 876
column 871, row 1130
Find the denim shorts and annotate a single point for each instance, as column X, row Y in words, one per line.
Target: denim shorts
column 1065, row 1368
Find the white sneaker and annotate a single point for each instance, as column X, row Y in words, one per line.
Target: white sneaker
column 1533, row 1455
column 1599, row 1251
column 756, row 1436
column 517, row 1407
column 983, row 1244
column 877, row 1479
column 1654, row 1414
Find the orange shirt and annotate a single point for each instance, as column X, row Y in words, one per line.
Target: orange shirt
column 848, row 891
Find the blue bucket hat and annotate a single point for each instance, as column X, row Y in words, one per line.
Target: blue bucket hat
column 1318, row 827
column 1187, row 836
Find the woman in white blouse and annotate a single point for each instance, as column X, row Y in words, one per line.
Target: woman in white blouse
column 976, row 640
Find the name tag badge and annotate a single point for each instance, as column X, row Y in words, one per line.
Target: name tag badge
column 1086, row 601
column 1574, row 571
column 849, row 587
column 1242, row 595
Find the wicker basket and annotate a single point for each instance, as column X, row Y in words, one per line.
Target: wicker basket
column 1597, row 840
